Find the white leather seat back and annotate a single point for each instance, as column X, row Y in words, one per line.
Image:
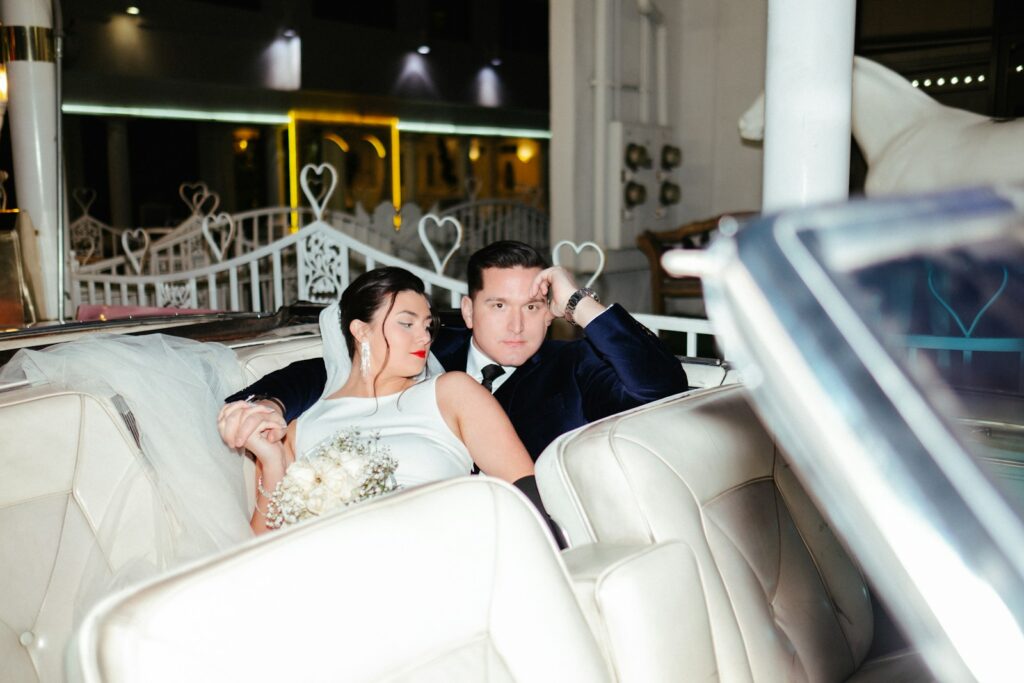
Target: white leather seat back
column 452, row 581
column 785, row 602
column 261, row 359
column 63, row 456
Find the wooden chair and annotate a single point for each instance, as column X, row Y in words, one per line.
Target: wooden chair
column 693, row 235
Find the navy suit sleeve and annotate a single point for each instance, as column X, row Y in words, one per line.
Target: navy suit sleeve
column 298, row 386
column 627, row 366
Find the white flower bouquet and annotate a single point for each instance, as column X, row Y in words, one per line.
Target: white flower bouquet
column 344, row 469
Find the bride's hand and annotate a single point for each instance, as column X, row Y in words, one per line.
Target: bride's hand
column 267, row 446
column 239, row 420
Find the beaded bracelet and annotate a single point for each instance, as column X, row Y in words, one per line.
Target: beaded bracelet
column 259, row 487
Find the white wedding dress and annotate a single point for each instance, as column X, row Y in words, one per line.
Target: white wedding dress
column 409, row 423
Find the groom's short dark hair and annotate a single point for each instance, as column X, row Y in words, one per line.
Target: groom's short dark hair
column 502, row 254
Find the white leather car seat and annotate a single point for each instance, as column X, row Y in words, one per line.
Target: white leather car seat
column 63, row 455
column 259, row 359
column 454, row 581
column 780, row 596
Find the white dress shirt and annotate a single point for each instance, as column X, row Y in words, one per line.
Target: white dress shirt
column 477, row 360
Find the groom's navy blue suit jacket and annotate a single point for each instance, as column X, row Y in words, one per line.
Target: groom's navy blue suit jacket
column 619, row 364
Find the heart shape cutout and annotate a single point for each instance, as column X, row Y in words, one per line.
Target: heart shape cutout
column 205, row 204
column 84, row 197
column 579, row 248
column 138, row 257
column 318, row 202
column 224, row 225
column 189, row 193
column 429, row 218
column 967, row 331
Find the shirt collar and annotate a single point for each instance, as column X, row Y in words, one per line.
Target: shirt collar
column 475, row 362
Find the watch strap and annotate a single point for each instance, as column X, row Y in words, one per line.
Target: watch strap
column 574, row 300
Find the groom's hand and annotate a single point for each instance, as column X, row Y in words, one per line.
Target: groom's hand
column 240, row 420
column 558, row 285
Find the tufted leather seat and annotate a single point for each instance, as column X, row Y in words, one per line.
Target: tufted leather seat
column 453, row 581
column 780, row 598
column 63, row 455
column 50, row 515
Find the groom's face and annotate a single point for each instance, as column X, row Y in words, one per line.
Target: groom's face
column 508, row 324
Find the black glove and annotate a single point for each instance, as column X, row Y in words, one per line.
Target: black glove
column 528, row 485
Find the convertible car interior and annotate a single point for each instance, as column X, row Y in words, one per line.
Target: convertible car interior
column 688, row 563
column 725, row 533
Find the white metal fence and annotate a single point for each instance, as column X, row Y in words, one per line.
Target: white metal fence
column 252, row 261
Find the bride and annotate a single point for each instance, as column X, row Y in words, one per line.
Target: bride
column 437, row 426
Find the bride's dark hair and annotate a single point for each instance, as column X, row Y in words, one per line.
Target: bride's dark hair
column 374, row 289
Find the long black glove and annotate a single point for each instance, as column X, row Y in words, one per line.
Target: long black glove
column 528, row 485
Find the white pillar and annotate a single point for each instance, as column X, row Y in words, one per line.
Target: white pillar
column 31, row 108
column 565, row 110
column 808, row 83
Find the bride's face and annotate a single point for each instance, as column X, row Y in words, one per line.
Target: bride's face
column 407, row 330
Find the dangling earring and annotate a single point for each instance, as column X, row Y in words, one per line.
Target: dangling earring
column 364, row 358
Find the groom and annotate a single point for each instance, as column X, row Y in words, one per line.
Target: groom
column 546, row 387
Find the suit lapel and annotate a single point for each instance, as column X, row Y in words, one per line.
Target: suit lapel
column 507, row 390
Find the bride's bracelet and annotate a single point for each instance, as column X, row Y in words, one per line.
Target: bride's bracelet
column 259, row 487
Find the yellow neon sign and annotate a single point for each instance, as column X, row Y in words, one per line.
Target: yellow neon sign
column 326, row 116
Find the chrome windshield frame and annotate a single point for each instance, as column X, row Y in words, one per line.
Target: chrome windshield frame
column 936, row 538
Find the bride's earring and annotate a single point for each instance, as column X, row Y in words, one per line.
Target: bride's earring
column 364, row 358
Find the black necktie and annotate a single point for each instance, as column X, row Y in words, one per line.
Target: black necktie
column 490, row 373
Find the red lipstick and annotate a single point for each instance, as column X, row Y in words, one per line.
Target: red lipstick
column 421, row 354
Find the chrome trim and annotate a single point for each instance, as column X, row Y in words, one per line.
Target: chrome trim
column 27, row 44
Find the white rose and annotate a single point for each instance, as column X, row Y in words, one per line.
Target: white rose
column 316, row 501
column 337, row 480
column 302, row 475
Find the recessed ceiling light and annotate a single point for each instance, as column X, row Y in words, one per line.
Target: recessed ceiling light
column 968, row 79
column 981, row 79
column 423, row 49
column 915, row 83
column 940, row 81
column 497, row 62
column 954, row 80
column 927, row 82
column 132, row 10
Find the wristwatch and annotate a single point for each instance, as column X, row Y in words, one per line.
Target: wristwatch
column 577, row 296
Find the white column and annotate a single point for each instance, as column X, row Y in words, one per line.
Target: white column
column 808, row 82
column 562, row 150
column 31, row 108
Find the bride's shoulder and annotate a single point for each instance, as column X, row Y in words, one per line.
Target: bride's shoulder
column 457, row 381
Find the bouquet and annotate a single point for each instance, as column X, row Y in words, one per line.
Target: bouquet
column 343, row 469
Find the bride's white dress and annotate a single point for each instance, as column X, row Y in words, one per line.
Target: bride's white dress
column 409, row 423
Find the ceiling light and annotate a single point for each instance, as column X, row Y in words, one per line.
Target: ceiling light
column 981, row 78
column 954, row 80
column 940, row 81
column 132, row 10
column 423, row 49
column 289, row 33
column 968, row 79
column 1020, row 67
column 915, row 83
column 497, row 62
column 927, row 82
